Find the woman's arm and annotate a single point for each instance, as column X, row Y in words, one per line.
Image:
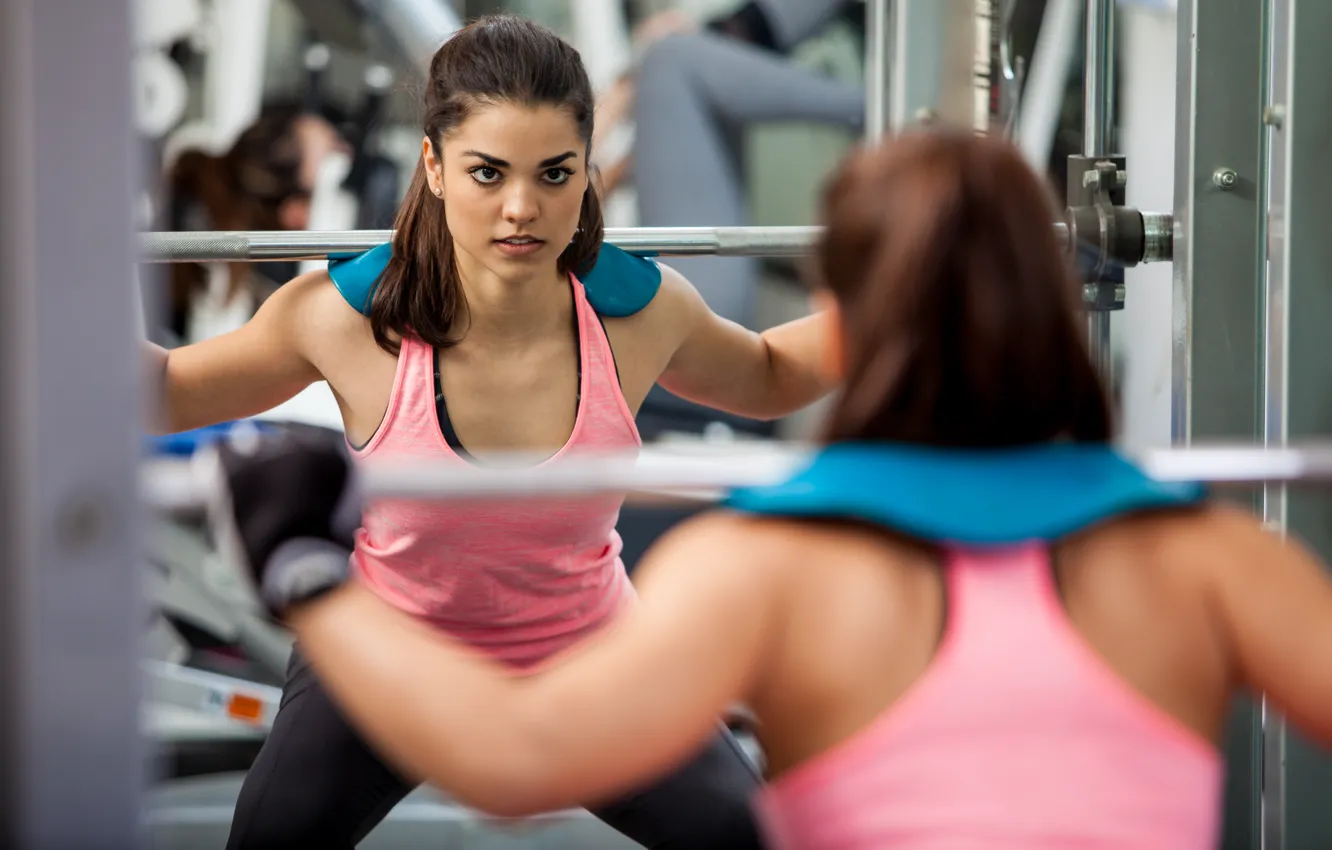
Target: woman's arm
column 252, row 369
column 1274, row 600
column 155, row 359
column 605, row 717
column 721, row 364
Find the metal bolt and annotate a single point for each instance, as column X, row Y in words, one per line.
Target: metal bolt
column 1225, row 178
column 1089, row 292
column 1274, row 115
column 1091, row 179
column 1120, row 292
column 1121, row 179
column 81, row 521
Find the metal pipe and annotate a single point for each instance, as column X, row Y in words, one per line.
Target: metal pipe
column 259, row 246
column 1158, row 237
column 1098, row 343
column 276, row 245
column 1098, row 80
column 878, row 30
column 702, row 472
column 1047, row 79
column 1277, row 197
column 1097, row 122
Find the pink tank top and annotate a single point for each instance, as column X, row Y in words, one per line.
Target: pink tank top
column 518, row 580
column 1017, row 737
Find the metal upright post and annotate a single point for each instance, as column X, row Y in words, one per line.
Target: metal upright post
column 69, row 430
column 878, row 32
column 1275, row 195
column 1297, row 305
column 1099, row 78
column 931, row 47
column 1221, row 372
column 1097, row 127
column 1047, row 79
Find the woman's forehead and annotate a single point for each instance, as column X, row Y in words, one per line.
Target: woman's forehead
column 516, row 133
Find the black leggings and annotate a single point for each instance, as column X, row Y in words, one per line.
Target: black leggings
column 315, row 783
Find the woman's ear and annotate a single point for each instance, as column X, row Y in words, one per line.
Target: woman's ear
column 433, row 167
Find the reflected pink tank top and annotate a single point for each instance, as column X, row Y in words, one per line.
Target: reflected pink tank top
column 518, row 580
column 1017, row 737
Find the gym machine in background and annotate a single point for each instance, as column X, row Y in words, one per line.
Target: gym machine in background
column 1253, row 194
column 950, row 61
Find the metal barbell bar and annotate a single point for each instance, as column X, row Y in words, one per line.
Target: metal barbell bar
column 700, row 473
column 261, row 246
column 280, row 245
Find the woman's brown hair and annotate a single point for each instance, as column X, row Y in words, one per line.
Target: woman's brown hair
column 961, row 319
column 495, row 59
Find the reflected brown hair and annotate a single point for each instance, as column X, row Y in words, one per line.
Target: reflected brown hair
column 960, row 314
column 495, row 59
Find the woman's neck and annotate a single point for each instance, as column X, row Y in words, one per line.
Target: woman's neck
column 513, row 309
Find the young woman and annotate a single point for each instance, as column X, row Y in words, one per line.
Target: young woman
column 967, row 623
column 496, row 320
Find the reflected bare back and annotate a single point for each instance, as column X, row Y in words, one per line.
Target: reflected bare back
column 1173, row 603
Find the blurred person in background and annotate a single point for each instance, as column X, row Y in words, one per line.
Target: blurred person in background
column 696, row 90
column 264, row 182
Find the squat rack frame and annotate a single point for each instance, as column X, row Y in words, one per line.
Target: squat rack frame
column 73, row 616
column 1249, row 319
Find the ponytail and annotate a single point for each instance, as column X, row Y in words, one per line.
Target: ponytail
column 582, row 252
column 404, row 302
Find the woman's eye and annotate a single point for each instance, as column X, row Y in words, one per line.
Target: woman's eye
column 558, row 175
column 485, row 174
